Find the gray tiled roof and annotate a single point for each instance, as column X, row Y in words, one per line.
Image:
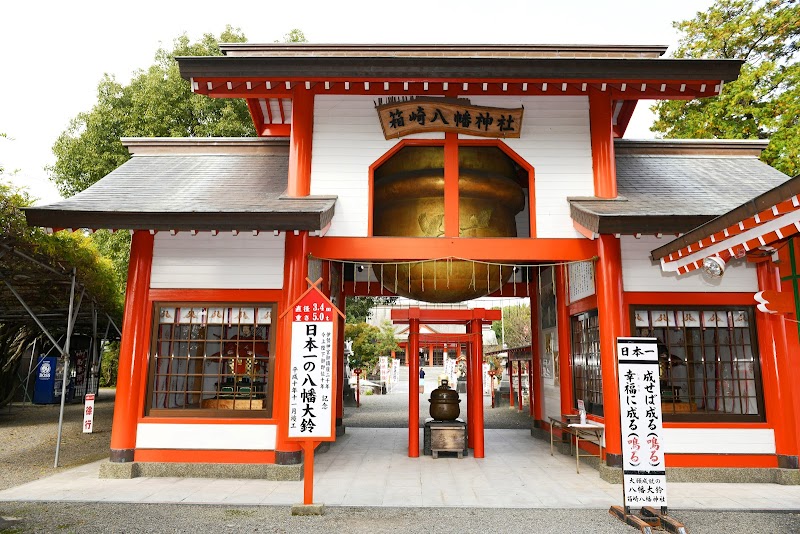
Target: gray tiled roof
column 675, row 193
column 190, row 192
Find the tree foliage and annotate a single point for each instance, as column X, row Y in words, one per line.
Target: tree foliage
column 156, row 103
column 357, row 309
column 294, row 36
column 517, row 323
column 75, row 249
column 764, row 102
column 369, row 344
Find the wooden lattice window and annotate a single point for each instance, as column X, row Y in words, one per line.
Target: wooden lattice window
column 708, row 361
column 214, row 358
column 587, row 374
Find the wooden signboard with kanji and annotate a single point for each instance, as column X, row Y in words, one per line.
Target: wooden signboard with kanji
column 405, row 117
column 312, row 382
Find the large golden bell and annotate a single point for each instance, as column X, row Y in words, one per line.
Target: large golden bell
column 409, row 202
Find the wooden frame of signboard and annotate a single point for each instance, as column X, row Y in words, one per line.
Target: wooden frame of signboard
column 309, row 443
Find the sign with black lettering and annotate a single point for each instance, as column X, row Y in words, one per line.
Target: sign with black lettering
column 312, row 382
column 643, row 468
column 404, row 117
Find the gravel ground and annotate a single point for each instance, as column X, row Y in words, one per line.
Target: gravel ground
column 101, row 518
column 28, row 434
column 27, row 445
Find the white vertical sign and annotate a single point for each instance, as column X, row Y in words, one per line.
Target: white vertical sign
column 384, row 366
column 311, row 398
column 88, row 413
column 643, row 468
column 487, row 380
column 395, row 371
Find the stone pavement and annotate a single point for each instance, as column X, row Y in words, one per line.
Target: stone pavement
column 370, row 467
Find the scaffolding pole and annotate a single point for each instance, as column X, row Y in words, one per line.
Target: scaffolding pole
column 65, row 357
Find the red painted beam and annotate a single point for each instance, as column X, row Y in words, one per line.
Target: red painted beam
column 444, row 316
column 509, row 249
column 551, row 87
column 276, row 130
column 624, row 117
column 255, row 112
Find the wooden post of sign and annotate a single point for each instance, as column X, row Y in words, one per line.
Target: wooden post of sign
column 308, row 472
column 312, row 353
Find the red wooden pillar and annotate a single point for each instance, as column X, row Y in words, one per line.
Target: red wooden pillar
column 451, row 201
column 413, row 387
column 299, row 180
column 430, row 355
column 134, row 348
column 601, row 126
column 295, row 271
column 295, row 264
column 531, row 390
column 779, row 382
column 564, row 344
column 612, row 325
column 476, row 393
column 512, row 394
column 536, row 396
column 470, row 411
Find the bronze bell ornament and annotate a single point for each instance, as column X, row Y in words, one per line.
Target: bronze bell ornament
column 409, row 202
column 444, row 403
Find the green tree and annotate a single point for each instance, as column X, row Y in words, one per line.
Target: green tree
column 369, row 344
column 156, row 103
column 517, row 323
column 294, row 36
column 357, row 308
column 764, row 102
column 62, row 248
column 2, row 167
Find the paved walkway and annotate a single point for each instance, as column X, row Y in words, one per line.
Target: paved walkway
column 371, row 467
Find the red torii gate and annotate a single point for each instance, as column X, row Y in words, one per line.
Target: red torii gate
column 473, row 319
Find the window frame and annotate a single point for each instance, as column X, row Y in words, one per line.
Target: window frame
column 593, row 408
column 216, row 413
column 710, row 417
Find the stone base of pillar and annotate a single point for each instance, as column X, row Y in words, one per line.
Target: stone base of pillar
column 614, row 460
column 121, row 455
column 288, row 457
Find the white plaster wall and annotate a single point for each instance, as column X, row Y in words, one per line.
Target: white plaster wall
column 224, row 261
column 347, row 140
column 555, row 140
column 719, row 440
column 206, row 436
column 640, row 273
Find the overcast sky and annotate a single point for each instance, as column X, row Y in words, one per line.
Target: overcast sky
column 55, row 52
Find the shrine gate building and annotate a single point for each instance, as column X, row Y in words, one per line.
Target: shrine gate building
column 449, row 172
